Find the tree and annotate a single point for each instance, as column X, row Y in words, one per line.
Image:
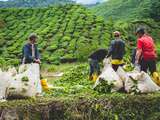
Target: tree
column 155, row 10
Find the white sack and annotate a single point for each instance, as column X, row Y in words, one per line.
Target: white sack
column 25, row 88
column 13, row 71
column 5, row 79
column 122, row 74
column 144, row 82
column 109, row 75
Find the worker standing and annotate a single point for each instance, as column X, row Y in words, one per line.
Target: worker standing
column 30, row 51
column 116, row 51
column 146, row 53
column 132, row 48
column 31, row 55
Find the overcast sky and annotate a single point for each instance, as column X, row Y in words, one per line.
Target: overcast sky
column 89, row 1
column 82, row 1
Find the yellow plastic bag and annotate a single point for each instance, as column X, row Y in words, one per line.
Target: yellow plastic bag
column 156, row 78
column 117, row 62
column 44, row 84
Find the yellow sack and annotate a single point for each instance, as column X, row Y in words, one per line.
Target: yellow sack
column 117, row 62
column 156, row 78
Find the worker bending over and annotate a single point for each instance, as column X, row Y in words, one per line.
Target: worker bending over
column 116, row 51
column 94, row 59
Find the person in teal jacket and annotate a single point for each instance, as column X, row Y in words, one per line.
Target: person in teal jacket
column 30, row 51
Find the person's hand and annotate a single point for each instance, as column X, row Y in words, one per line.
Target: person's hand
column 37, row 61
column 136, row 62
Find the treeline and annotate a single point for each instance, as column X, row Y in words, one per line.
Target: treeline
column 31, row 3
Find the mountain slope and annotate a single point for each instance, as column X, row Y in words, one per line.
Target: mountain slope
column 123, row 9
column 128, row 15
column 65, row 32
column 31, row 3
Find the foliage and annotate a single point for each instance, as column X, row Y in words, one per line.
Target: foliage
column 155, row 11
column 123, row 9
column 74, row 82
column 73, row 98
column 64, row 31
column 104, row 87
column 31, row 3
column 25, row 79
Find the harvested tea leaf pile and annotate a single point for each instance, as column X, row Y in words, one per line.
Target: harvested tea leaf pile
column 74, row 82
column 73, row 97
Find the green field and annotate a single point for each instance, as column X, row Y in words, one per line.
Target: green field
column 64, row 32
column 67, row 31
column 73, row 98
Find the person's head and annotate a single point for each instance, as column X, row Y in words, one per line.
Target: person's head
column 140, row 32
column 32, row 38
column 131, row 40
column 117, row 34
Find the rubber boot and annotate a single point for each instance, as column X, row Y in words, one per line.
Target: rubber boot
column 95, row 76
column 156, row 78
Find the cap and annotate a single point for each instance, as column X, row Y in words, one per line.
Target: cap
column 117, row 33
column 140, row 30
column 32, row 36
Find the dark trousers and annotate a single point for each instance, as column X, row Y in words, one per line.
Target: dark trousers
column 148, row 64
column 94, row 67
column 115, row 67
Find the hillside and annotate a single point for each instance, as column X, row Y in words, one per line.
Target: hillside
column 31, row 3
column 123, row 9
column 65, row 32
column 128, row 15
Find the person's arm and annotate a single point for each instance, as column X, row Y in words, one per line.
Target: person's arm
column 37, row 53
column 124, row 46
column 133, row 56
column 139, row 51
column 138, row 55
column 37, row 60
column 26, row 53
column 155, row 48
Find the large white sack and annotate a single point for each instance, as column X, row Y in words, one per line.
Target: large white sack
column 122, row 74
column 5, row 79
column 12, row 71
column 144, row 82
column 27, row 82
column 109, row 75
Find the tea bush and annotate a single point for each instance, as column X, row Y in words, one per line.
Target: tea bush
column 60, row 29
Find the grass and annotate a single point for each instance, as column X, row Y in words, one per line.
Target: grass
column 57, row 68
column 73, row 98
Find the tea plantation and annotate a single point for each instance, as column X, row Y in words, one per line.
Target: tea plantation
column 65, row 32
column 31, row 3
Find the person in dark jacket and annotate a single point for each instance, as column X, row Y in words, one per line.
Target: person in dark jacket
column 132, row 48
column 116, row 51
column 94, row 59
column 30, row 51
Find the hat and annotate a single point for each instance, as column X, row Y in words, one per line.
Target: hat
column 32, row 36
column 140, row 30
column 117, row 33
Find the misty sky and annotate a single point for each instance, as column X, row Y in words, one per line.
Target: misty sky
column 89, row 1
column 82, row 1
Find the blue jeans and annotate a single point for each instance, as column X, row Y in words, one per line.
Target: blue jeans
column 94, row 67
